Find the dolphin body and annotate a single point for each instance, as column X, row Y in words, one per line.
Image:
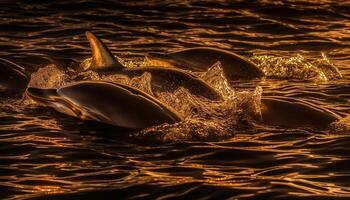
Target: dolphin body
column 202, row 58
column 13, row 79
column 106, row 102
column 163, row 79
column 291, row 113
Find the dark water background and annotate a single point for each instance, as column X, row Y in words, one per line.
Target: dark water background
column 45, row 153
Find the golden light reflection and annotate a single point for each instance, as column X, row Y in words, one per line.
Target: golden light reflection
column 48, row 189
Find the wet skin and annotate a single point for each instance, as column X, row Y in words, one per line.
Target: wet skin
column 13, row 79
column 202, row 58
column 291, row 113
column 106, row 102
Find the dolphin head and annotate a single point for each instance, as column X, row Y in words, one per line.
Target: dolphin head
column 102, row 58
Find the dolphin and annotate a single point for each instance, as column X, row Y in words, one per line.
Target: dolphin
column 106, row 102
column 202, row 58
column 163, row 79
column 292, row 113
column 13, row 78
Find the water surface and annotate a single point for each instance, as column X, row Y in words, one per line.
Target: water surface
column 45, row 153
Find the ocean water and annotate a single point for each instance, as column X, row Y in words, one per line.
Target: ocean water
column 218, row 151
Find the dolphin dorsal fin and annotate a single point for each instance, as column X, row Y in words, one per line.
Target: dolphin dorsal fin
column 102, row 58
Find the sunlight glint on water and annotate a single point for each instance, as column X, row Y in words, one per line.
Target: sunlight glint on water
column 215, row 153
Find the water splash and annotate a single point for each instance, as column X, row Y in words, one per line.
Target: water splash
column 296, row 67
column 342, row 125
column 204, row 119
column 49, row 76
column 214, row 76
column 328, row 68
column 142, row 82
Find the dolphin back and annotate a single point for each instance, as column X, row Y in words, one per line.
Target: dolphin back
column 13, row 79
column 202, row 58
column 286, row 112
